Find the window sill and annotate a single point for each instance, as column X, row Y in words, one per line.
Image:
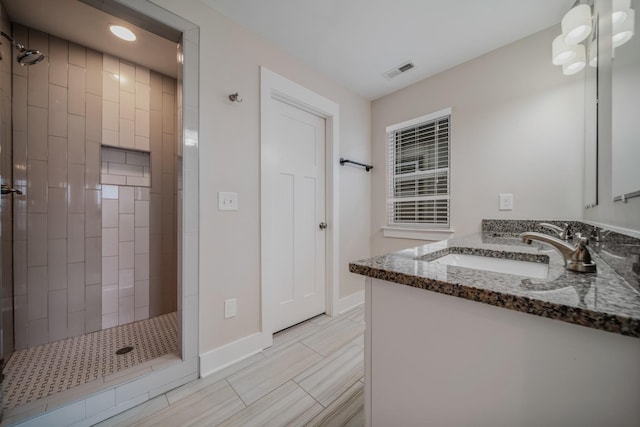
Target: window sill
column 433, row 234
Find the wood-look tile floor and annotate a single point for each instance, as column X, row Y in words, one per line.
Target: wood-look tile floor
column 311, row 376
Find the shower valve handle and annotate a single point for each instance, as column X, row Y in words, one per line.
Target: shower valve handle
column 6, row 190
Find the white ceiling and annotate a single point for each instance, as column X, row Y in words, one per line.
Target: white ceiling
column 354, row 41
column 87, row 26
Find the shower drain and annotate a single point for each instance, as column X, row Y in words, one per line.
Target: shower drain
column 124, row 350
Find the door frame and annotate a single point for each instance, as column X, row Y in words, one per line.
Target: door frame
column 277, row 87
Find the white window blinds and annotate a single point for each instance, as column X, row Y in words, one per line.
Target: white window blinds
column 419, row 171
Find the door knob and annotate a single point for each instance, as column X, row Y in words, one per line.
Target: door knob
column 322, row 225
column 6, row 190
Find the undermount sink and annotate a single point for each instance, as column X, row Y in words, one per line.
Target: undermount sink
column 507, row 266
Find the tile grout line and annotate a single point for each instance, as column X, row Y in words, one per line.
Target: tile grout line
column 319, row 354
column 308, row 393
column 238, row 394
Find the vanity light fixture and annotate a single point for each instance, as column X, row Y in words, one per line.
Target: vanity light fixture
column 623, row 30
column 566, row 49
column 123, row 33
column 561, row 53
column 620, row 11
column 577, row 63
column 576, row 24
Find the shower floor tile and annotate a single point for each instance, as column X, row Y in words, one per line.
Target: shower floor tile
column 47, row 369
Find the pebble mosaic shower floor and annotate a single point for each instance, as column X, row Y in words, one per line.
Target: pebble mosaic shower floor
column 54, row 367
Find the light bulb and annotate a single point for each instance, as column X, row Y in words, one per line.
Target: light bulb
column 577, row 64
column 576, row 24
column 123, row 32
column 618, row 16
column 561, row 53
column 623, row 31
column 620, row 11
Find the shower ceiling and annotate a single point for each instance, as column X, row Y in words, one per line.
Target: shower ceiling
column 77, row 22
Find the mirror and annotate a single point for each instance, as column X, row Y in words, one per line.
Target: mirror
column 625, row 119
column 591, row 120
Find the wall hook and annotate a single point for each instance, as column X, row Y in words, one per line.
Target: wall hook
column 235, row 97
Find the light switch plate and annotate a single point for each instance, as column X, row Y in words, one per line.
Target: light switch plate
column 227, row 201
column 505, row 202
column 229, row 308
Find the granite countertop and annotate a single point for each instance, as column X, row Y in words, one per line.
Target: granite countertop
column 602, row 300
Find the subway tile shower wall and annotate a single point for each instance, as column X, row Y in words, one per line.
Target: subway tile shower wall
column 125, row 252
column 72, row 240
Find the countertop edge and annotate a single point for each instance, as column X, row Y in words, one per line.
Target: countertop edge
column 619, row 324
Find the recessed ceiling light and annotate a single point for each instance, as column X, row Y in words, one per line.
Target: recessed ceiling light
column 123, row 33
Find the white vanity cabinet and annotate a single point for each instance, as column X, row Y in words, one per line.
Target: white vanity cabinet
column 437, row 360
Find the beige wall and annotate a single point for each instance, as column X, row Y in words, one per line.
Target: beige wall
column 517, row 127
column 230, row 58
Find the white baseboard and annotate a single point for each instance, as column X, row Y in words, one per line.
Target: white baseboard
column 350, row 301
column 221, row 357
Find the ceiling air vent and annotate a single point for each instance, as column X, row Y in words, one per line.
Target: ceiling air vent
column 396, row 71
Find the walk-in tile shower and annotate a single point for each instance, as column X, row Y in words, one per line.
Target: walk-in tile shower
column 91, row 140
column 94, row 148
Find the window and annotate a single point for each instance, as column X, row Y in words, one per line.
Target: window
column 419, row 172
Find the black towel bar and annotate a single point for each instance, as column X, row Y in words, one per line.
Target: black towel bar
column 367, row 167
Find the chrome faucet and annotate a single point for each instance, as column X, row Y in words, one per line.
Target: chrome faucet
column 576, row 258
column 598, row 235
column 563, row 232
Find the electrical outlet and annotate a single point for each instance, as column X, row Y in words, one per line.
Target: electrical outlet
column 229, row 308
column 505, row 202
column 227, row 201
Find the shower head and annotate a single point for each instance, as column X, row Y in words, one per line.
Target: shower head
column 25, row 56
column 29, row 57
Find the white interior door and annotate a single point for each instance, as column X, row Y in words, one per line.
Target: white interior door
column 294, row 190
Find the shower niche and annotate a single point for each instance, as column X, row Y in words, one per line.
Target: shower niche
column 125, row 167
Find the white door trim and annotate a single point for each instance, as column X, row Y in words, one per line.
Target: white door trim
column 274, row 86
